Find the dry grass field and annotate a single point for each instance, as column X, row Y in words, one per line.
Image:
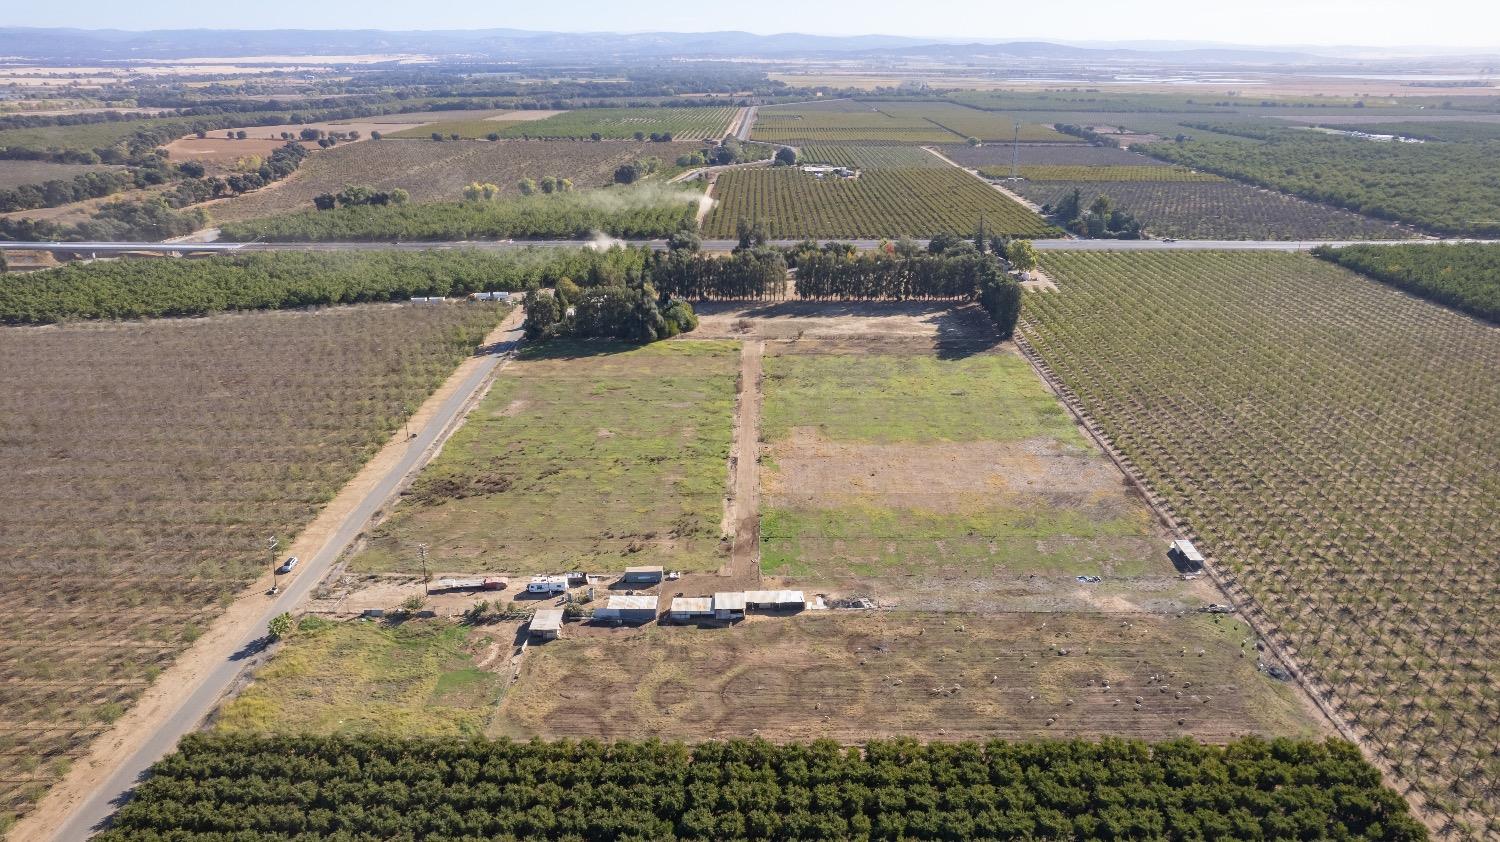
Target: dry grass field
column 583, row 456
column 146, row 463
column 438, row 172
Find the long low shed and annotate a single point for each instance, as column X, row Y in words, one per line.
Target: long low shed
column 640, row 608
column 689, row 608
column 775, row 600
column 729, row 605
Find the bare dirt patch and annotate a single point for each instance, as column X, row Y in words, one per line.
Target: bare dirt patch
column 855, row 677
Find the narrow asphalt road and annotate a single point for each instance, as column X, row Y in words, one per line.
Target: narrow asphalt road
column 106, row 249
column 90, row 815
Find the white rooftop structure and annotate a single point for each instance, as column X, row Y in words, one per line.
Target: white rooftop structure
column 775, row 598
column 729, row 601
column 547, row 620
column 692, row 605
column 638, row 602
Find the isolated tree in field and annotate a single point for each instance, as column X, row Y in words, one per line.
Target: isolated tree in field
column 549, row 185
column 280, row 626
column 492, row 136
column 202, row 134
column 325, row 201
column 974, row 141
column 477, row 191
column 565, row 185
column 1021, row 254
column 241, row 134
column 375, row 135
column 627, row 173
column 1071, row 206
column 528, row 186
column 640, row 135
column 308, row 133
column 786, row 156
column 437, row 136
column 596, row 137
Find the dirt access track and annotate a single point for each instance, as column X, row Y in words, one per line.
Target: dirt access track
column 180, row 698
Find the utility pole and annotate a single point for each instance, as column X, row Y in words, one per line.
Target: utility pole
column 271, row 545
column 422, row 553
column 1015, row 152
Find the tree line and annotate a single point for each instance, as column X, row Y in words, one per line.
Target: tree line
column 221, row 787
column 132, row 289
column 633, row 311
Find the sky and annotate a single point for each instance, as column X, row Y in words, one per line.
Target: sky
column 1441, row 23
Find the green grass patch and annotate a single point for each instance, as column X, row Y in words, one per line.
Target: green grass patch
column 894, row 398
column 583, row 454
column 414, row 679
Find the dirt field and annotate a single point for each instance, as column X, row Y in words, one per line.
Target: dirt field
column 222, row 150
column 439, row 171
column 852, row 676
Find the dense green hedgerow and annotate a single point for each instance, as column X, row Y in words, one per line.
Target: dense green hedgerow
column 220, row 787
column 650, row 211
column 1465, row 276
column 136, row 289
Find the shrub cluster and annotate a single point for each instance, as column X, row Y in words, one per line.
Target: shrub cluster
column 634, row 312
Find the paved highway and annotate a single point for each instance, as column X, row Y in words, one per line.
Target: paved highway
column 108, row 249
column 91, row 813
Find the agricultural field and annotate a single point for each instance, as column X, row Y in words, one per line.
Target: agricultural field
column 1035, row 155
column 386, row 787
column 914, row 202
column 173, row 449
column 1357, row 512
column 1061, row 172
column 438, row 172
column 642, row 211
column 583, row 455
column 1450, row 188
column 929, row 676
column 15, row 174
column 1218, row 210
column 870, row 157
column 850, row 122
column 971, row 122
column 1465, row 276
column 610, row 123
column 904, row 474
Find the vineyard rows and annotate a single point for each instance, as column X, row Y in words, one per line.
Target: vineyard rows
column 1066, row 172
column 1218, row 210
column 879, row 203
column 146, row 464
column 609, row 123
column 870, row 157
column 1049, row 154
column 1332, row 445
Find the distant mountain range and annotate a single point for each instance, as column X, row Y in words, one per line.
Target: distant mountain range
column 80, row 45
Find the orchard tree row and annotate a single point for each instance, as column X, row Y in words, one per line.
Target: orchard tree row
column 222, row 787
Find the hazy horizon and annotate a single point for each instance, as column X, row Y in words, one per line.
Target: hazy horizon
column 1442, row 24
